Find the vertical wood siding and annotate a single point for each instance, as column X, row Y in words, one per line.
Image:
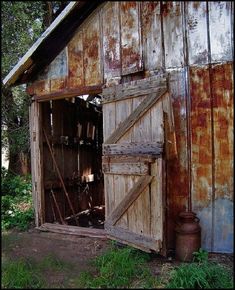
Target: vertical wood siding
column 193, row 43
column 131, row 45
column 152, row 35
column 111, row 41
column 197, row 35
column 173, row 33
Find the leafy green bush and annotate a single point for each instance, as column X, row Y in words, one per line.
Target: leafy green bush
column 14, row 184
column 16, row 206
column 119, row 268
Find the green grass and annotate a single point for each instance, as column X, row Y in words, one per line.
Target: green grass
column 53, row 263
column 20, row 274
column 128, row 268
column 119, row 268
column 28, row 274
column 206, row 275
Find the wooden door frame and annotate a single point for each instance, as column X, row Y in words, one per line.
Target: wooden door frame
column 38, row 193
column 35, row 120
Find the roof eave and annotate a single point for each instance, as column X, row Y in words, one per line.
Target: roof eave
column 26, row 61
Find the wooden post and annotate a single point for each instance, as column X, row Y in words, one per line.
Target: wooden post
column 61, row 179
column 57, row 207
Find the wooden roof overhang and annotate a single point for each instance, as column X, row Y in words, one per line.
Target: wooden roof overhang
column 51, row 42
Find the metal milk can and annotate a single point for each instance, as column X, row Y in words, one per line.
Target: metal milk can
column 188, row 236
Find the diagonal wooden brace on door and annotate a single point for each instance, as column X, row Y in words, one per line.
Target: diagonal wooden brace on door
column 143, row 107
column 131, row 196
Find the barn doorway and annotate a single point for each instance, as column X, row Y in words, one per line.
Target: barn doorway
column 72, row 137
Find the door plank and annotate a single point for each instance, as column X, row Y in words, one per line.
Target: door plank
column 120, row 193
column 144, row 241
column 109, row 124
column 131, row 196
column 133, row 89
column 138, row 168
column 135, row 115
column 156, row 200
column 133, row 148
column 128, row 158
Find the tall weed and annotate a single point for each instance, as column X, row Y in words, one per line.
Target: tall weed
column 206, row 275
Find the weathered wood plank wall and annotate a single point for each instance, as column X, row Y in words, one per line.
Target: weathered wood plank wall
column 193, row 43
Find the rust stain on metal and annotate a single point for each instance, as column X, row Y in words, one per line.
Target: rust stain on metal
column 201, row 136
column 41, row 87
column 75, row 61
column 222, row 92
column 171, row 8
column 58, row 84
column 196, row 5
column 111, row 40
column 177, row 169
column 91, row 49
column 131, row 48
column 167, row 8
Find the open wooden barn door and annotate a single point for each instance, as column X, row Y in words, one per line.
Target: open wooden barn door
column 132, row 162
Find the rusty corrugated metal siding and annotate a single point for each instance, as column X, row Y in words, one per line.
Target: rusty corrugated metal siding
column 192, row 42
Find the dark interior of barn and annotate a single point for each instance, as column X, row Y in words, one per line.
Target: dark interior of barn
column 72, row 131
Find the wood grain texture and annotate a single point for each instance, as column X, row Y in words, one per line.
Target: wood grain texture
column 133, row 148
column 126, row 168
column 151, row 35
column 111, row 41
column 36, row 163
column 173, row 34
column 131, row 44
column 129, row 198
column 144, row 242
column 221, row 30
column 133, row 89
column 196, row 21
column 72, row 230
column 134, row 116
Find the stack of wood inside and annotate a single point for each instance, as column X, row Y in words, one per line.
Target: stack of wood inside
column 72, row 156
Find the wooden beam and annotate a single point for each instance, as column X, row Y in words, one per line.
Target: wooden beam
column 143, row 107
column 133, row 89
column 143, row 241
column 128, row 158
column 131, row 196
column 138, row 168
column 155, row 148
column 69, row 93
column 73, row 230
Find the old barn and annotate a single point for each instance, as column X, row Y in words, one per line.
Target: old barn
column 131, row 121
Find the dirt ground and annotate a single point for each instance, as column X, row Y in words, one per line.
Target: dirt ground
column 77, row 251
